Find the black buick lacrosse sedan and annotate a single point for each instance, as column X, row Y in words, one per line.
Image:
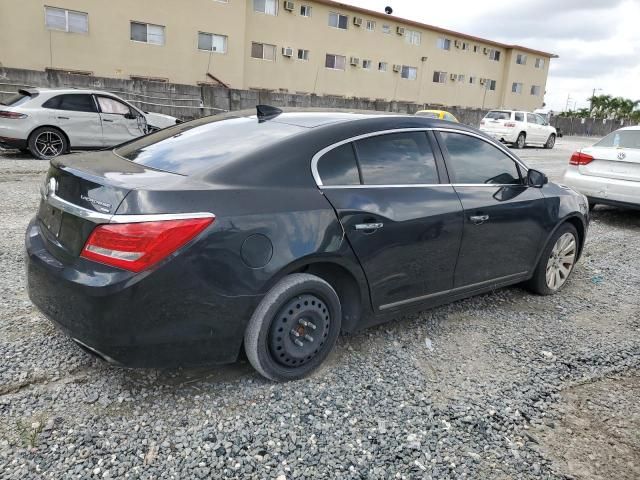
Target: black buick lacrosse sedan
column 274, row 232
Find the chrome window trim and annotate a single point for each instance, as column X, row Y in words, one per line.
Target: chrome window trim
column 423, row 185
column 99, row 218
column 316, row 158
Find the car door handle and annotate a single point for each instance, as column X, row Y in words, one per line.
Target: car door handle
column 63, row 118
column 368, row 226
column 107, row 120
column 479, row 219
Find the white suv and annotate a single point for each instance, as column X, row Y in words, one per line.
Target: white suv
column 519, row 128
column 50, row 122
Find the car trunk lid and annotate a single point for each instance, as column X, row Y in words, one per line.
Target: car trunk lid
column 83, row 190
column 612, row 162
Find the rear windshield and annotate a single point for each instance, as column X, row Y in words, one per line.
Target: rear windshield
column 205, row 143
column 16, row 100
column 498, row 115
column 428, row 114
column 621, row 139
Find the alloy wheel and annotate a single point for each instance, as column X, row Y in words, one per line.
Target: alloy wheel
column 521, row 141
column 299, row 331
column 49, row 144
column 561, row 261
column 551, row 142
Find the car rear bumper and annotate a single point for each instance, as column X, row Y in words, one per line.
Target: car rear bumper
column 507, row 136
column 604, row 190
column 6, row 142
column 163, row 318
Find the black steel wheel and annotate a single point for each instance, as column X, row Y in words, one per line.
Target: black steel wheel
column 294, row 327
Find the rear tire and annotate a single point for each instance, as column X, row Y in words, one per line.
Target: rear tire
column 556, row 262
column 551, row 141
column 521, row 141
column 294, row 328
column 46, row 143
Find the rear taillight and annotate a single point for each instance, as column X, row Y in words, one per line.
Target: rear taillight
column 12, row 115
column 579, row 158
column 137, row 246
column 509, row 124
column 481, row 122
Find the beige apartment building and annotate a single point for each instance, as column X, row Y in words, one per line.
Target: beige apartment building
column 301, row 46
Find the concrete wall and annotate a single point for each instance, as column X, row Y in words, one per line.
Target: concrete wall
column 588, row 127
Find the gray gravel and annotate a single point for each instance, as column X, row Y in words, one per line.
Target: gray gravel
column 475, row 389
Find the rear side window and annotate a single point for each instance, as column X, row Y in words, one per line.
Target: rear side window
column 498, row 115
column 531, row 118
column 519, row 116
column 72, row 102
column 397, row 159
column 621, row 139
column 338, row 166
column 475, row 161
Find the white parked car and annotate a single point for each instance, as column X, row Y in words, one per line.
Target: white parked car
column 519, row 128
column 609, row 171
column 49, row 122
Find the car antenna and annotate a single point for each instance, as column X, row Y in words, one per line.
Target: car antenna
column 267, row 112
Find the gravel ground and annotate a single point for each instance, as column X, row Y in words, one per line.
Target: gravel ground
column 502, row 386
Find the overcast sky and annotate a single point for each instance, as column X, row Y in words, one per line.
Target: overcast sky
column 598, row 41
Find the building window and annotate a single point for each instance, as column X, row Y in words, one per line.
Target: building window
column 535, row 90
column 516, row 87
column 66, row 20
column 382, row 66
column 494, row 55
column 491, row 84
column 476, row 48
column 410, row 73
column 335, row 62
column 461, row 77
column 412, row 37
column 268, row 7
column 303, row 54
column 465, row 45
column 263, row 51
column 371, row 25
column 439, row 77
column 386, row 28
column 366, row 64
column 212, row 42
column 145, row 32
column 521, row 59
column 338, row 21
column 444, row 43
column 305, row 10
column 472, row 80
column 539, row 62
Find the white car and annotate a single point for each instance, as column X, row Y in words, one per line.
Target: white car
column 50, row 122
column 519, row 128
column 609, row 171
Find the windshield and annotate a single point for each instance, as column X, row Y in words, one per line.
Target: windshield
column 621, row 139
column 205, row 143
column 498, row 115
column 16, row 100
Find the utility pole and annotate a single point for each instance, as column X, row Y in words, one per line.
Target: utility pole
column 593, row 94
column 566, row 107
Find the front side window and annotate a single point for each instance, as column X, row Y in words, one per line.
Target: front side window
column 111, row 105
column 72, row 103
column 147, row 33
column 412, row 37
column 336, row 62
column 403, row 158
column 338, row 21
column 212, row 42
column 439, row 77
column 444, row 44
column 338, row 166
column 410, row 73
column 263, row 51
column 66, row 20
column 474, row 161
column 516, row 87
column 540, row 120
column 268, row 7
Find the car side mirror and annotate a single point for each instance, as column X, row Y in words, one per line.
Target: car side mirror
column 130, row 116
column 536, row 179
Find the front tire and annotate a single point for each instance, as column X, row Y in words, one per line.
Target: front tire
column 521, row 141
column 46, row 143
column 551, row 141
column 556, row 262
column 294, row 328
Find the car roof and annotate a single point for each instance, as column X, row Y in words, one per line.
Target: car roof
column 64, row 90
